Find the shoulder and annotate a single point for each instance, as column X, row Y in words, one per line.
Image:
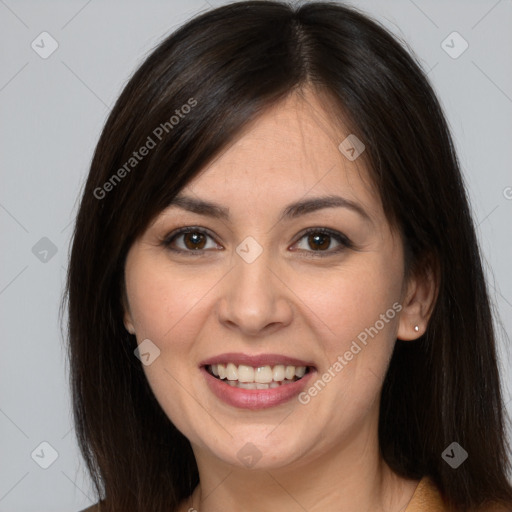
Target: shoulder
column 427, row 498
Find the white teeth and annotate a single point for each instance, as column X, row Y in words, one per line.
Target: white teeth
column 300, row 371
column 289, row 372
column 278, row 373
column 246, row 374
column 257, row 385
column 247, row 385
column 231, row 372
column 263, row 376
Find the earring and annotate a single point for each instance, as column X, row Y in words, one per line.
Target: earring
column 416, row 328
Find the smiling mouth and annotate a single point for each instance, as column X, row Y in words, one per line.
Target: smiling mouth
column 261, row 377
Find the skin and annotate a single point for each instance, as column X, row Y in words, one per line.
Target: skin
column 323, row 455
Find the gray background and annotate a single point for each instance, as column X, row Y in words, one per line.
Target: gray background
column 52, row 112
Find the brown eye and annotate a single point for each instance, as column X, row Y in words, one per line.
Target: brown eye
column 194, row 240
column 319, row 240
column 189, row 240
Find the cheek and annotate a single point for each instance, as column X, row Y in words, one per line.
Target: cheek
column 165, row 306
column 354, row 313
column 162, row 301
column 149, row 306
column 352, row 300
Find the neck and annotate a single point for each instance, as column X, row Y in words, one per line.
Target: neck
column 348, row 477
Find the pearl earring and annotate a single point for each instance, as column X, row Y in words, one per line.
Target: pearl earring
column 416, row 328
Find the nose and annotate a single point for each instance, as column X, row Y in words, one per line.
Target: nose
column 255, row 299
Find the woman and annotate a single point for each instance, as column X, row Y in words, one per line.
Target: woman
column 276, row 296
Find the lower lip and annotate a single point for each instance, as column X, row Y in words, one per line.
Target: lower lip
column 255, row 398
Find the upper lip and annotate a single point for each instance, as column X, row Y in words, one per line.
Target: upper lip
column 255, row 361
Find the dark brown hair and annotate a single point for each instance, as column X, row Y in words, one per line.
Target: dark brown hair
column 234, row 62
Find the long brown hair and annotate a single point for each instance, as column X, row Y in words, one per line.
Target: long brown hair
column 234, row 62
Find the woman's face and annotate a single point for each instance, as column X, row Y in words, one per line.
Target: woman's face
column 251, row 291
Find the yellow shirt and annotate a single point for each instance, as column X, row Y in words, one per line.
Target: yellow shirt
column 426, row 498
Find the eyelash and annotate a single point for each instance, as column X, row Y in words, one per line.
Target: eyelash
column 344, row 242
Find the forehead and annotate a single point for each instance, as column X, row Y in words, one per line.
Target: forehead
column 288, row 152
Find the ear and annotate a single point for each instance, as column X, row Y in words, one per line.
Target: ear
column 127, row 317
column 128, row 323
column 418, row 300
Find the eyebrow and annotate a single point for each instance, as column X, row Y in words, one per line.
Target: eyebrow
column 291, row 211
